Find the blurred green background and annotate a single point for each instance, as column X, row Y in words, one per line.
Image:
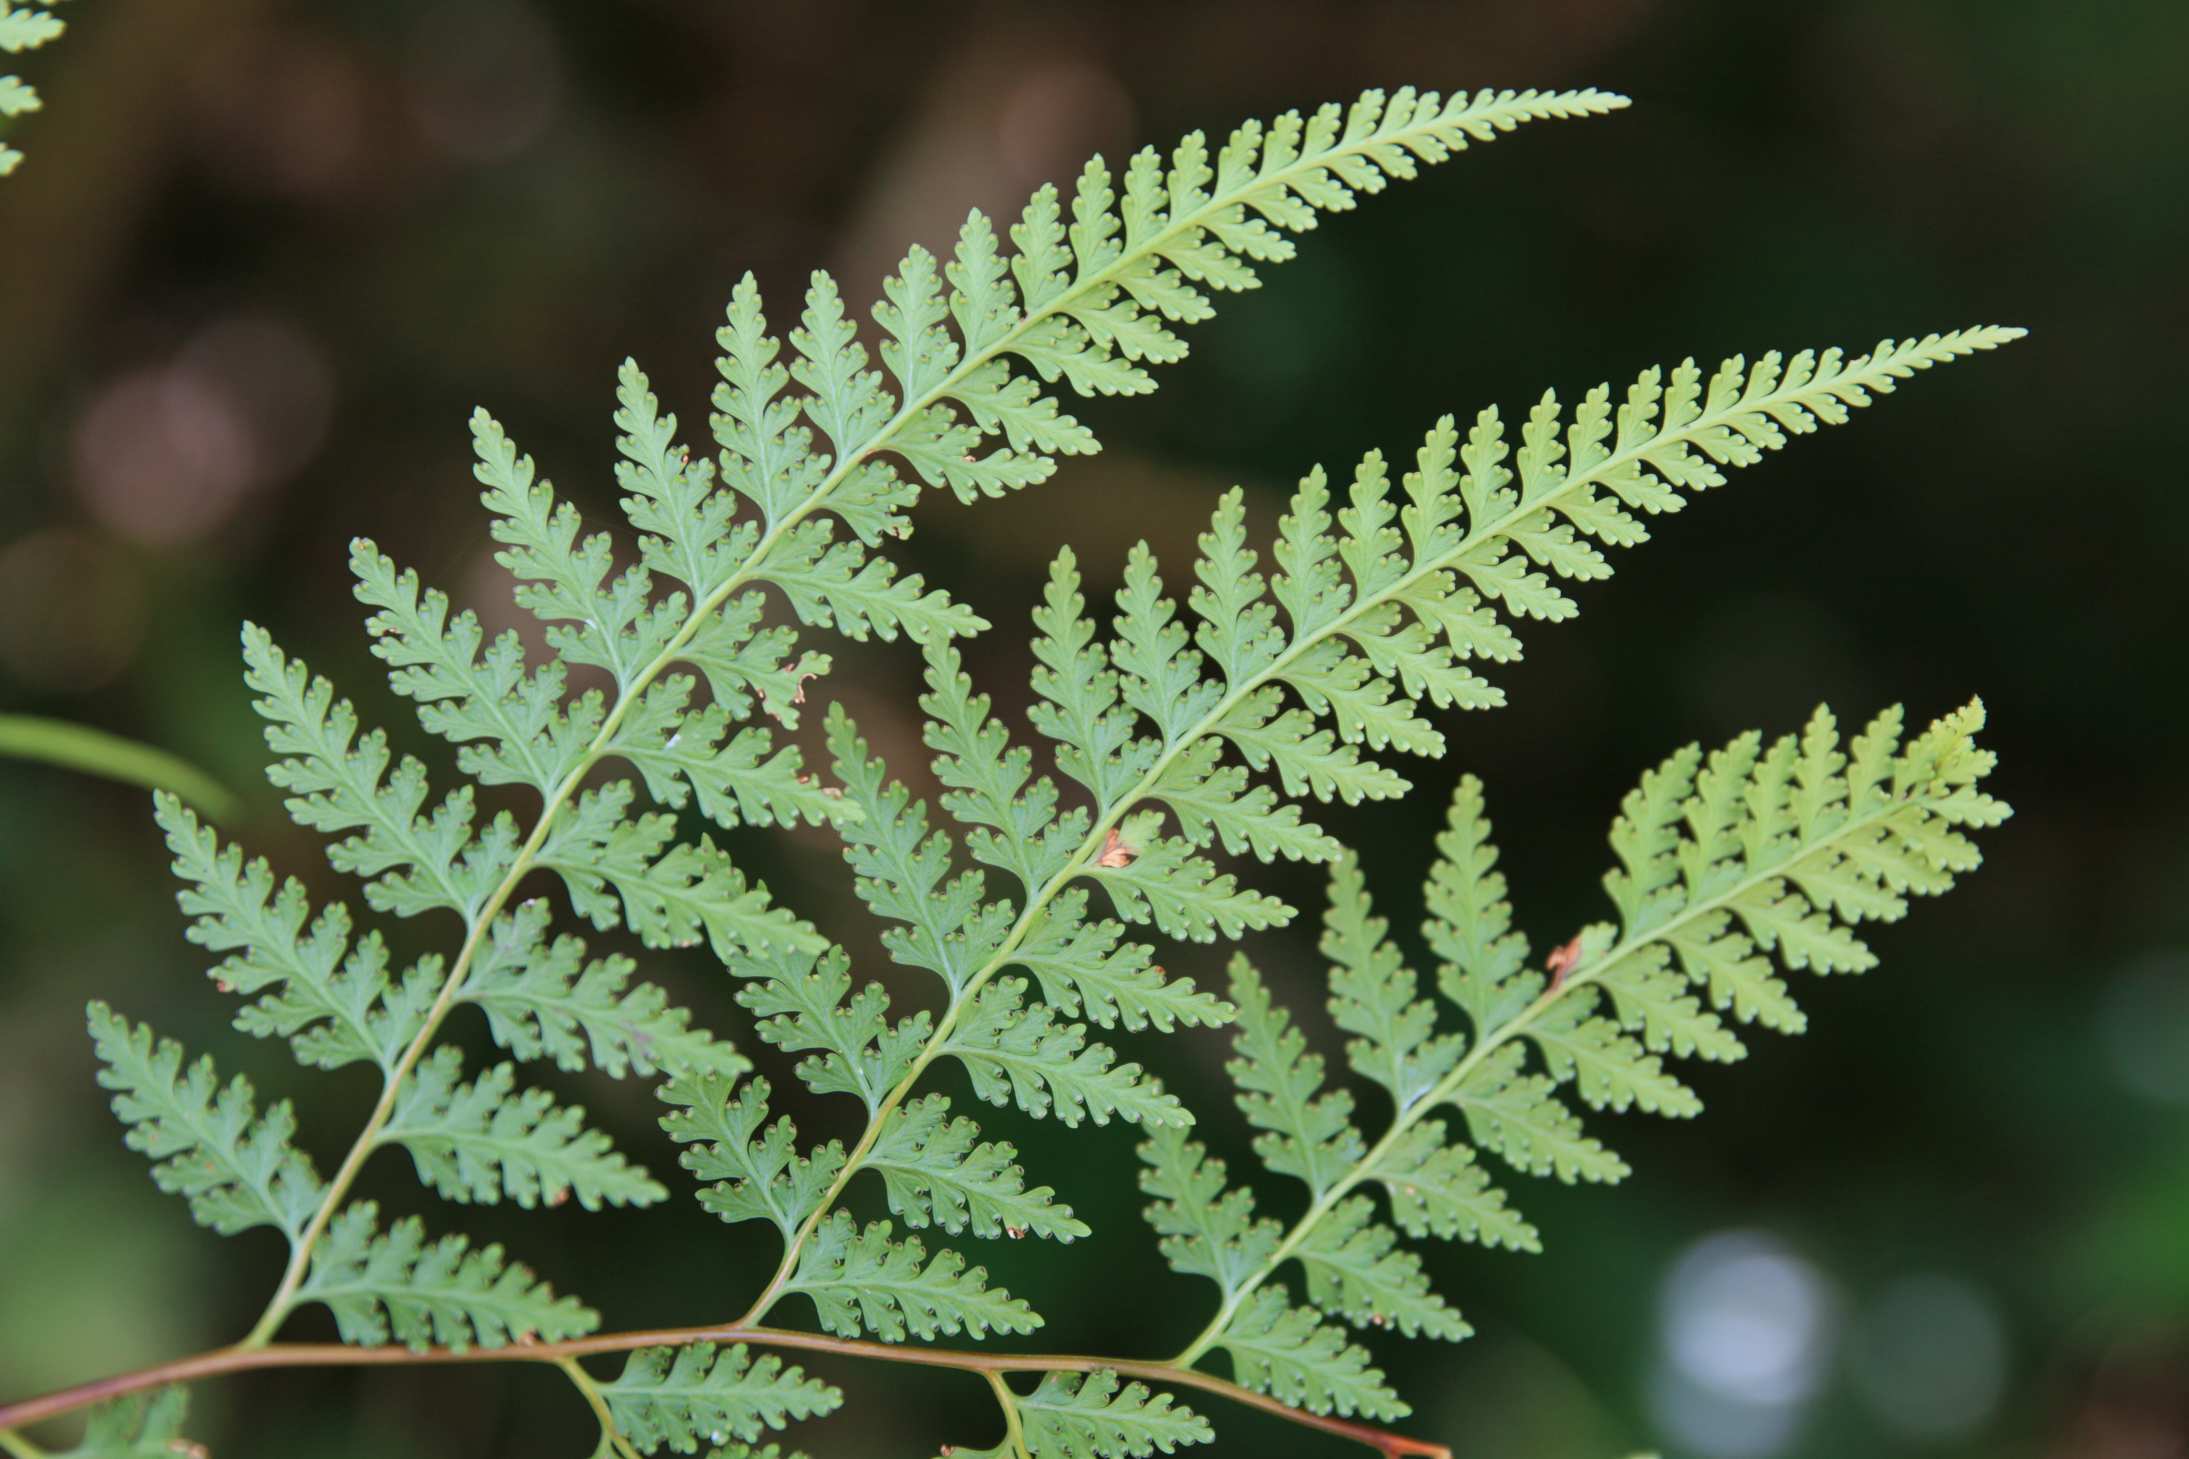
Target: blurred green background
column 265, row 257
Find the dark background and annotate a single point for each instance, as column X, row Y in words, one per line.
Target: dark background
column 265, row 257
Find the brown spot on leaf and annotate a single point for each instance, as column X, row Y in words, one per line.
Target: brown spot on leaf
column 1115, row 852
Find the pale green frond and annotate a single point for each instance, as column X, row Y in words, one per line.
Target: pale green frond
column 1372, row 996
column 756, row 1170
column 1306, row 1133
column 1088, row 967
column 939, row 1171
column 507, row 718
column 1163, row 880
column 1288, row 1353
column 625, row 870
column 735, row 777
column 1470, row 922
column 989, row 785
column 344, row 783
column 136, row 1426
column 806, row 1005
column 1357, row 1269
column 487, row 1140
column 1207, row 1229
column 396, row 1285
column 329, row 996
column 681, row 1398
column 208, row 1142
column 907, row 873
column 1437, row 1188
column 22, row 28
column 1100, row 1416
column 861, row 1280
column 1023, row 1054
column 1520, row 1115
column 545, row 1000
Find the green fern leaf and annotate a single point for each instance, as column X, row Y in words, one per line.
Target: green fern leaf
column 906, row 873
column 485, row 1140
column 735, row 779
column 679, row 1398
column 1284, row 1351
column 136, row 1425
column 1207, row 1229
column 940, row 1172
column 341, row 783
column 1520, row 1116
column 1356, row 1269
column 448, row 1293
column 543, row 999
column 1372, row 997
column 802, row 1006
column 208, row 1142
column 1306, row 1133
column 1470, row 922
column 1088, row 967
column 755, row 1167
column 22, row 28
column 330, row 997
column 1025, row 1054
column 1099, row 1416
column 629, row 870
column 1437, row 1187
column 862, row 1280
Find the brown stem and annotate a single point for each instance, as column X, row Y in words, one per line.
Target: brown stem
column 221, row 1361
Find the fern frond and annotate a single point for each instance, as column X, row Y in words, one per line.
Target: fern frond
column 862, row 1280
column 348, row 784
column 626, row 870
column 207, row 1141
column 448, row 1293
column 1207, row 1229
column 1024, row 1054
column 1306, row 1133
column 755, row 1167
column 939, row 1171
column 136, row 1425
column 485, row 1140
column 544, row 999
column 1098, row 1416
column 329, row 996
column 1728, row 862
column 680, row 1398
column 22, row 28
column 806, row 1005
column 1288, row 1353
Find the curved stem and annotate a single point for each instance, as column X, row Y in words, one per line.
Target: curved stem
column 224, row 1361
column 1013, row 1430
column 610, row 1439
column 17, row 1447
column 1446, row 1090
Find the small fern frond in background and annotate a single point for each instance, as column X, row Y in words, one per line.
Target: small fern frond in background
column 22, row 28
column 1733, row 866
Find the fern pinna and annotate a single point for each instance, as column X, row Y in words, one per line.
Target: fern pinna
column 1183, row 735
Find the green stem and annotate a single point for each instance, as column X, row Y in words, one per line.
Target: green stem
column 1447, row 1089
column 1014, row 1431
column 95, row 752
column 18, row 1447
column 610, row 1438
